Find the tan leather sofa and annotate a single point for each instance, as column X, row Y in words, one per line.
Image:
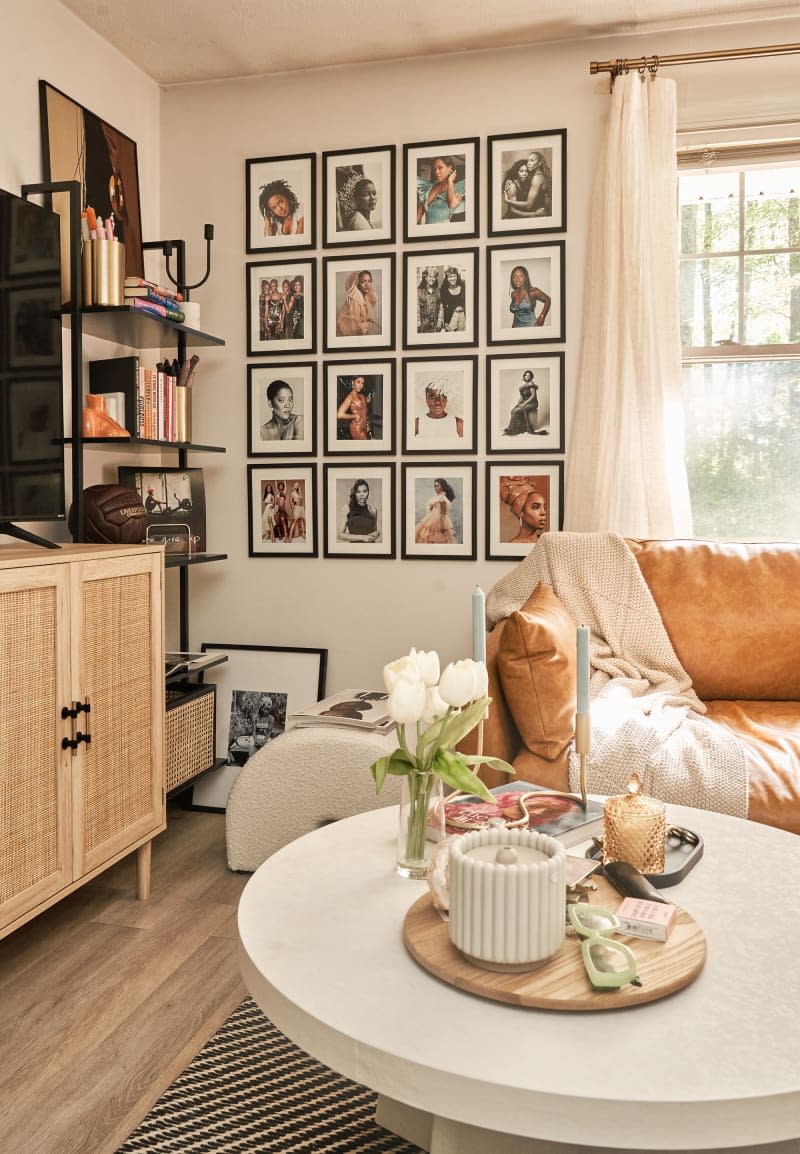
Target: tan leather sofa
column 732, row 612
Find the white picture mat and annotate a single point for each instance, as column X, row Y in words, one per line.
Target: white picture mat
column 300, row 378
column 505, row 380
column 281, row 271
column 414, row 154
column 418, row 481
column 378, row 167
column 339, row 480
column 381, row 269
column 297, row 172
column 544, row 267
column 504, row 153
column 382, row 369
column 466, row 261
column 455, row 377
column 499, row 517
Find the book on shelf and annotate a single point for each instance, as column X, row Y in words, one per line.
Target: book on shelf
column 185, row 662
column 140, row 282
column 523, row 805
column 352, row 708
column 156, row 310
column 148, row 395
column 152, row 297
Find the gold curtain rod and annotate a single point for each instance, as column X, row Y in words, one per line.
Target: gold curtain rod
column 653, row 63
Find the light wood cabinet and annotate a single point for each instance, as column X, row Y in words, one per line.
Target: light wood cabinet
column 79, row 789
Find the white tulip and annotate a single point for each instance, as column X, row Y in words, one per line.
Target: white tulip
column 457, row 684
column 435, row 706
column 404, row 669
column 427, row 665
column 406, row 702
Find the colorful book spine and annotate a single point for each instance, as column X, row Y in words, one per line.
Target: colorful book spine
column 138, row 282
column 152, row 297
column 156, row 310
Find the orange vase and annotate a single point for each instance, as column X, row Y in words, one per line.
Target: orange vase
column 97, row 422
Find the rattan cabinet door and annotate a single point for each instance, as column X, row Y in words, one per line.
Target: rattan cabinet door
column 35, row 841
column 118, row 777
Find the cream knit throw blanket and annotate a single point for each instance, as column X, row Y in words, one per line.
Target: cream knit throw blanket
column 645, row 714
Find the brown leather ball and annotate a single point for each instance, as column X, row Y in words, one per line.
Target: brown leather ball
column 112, row 515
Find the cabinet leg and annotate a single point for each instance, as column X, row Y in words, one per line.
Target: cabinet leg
column 143, row 858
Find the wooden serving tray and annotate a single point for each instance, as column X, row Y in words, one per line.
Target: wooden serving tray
column 562, row 983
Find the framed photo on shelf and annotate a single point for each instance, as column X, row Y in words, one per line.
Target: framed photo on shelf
column 280, row 211
column 526, row 293
column 525, row 403
column 359, row 407
column 528, row 182
column 440, row 405
column 439, row 513
column 257, row 688
column 281, row 307
column 358, row 196
column 282, row 510
column 440, row 306
column 359, row 302
column 523, row 500
column 359, row 510
column 441, row 189
column 282, row 410
column 175, row 503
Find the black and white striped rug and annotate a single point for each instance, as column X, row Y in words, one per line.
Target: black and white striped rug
column 250, row 1090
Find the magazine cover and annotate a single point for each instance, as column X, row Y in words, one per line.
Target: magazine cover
column 526, row 806
column 358, row 708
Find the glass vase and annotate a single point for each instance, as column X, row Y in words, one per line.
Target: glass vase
column 421, row 822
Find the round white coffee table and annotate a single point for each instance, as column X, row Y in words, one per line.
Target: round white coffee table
column 714, row 1066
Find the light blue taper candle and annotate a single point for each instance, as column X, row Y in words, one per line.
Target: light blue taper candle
column 479, row 625
column 583, row 670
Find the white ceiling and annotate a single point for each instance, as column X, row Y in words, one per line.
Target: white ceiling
column 180, row 41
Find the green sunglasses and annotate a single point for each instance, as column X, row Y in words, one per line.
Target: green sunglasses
column 609, row 964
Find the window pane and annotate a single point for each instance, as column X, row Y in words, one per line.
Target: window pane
column 709, row 212
column 772, row 208
column 772, row 299
column 743, row 449
column 709, row 301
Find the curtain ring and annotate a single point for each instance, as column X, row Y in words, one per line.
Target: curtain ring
column 652, row 67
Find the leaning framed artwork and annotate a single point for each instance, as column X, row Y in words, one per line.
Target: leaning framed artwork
column 523, row 500
column 526, row 293
column 280, row 207
column 175, row 503
column 359, row 302
column 257, row 689
column 440, row 306
column 528, row 182
column 525, row 403
column 358, row 196
column 359, row 510
column 439, row 515
column 281, row 409
column 358, row 408
column 441, row 189
column 281, row 307
column 440, row 405
column 282, row 510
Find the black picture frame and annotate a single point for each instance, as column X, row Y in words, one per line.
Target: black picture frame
column 418, row 480
column 267, row 337
column 540, row 193
column 346, row 310
column 345, row 174
column 380, row 389
column 291, row 179
column 340, row 482
column 525, row 416
column 419, row 171
column 176, row 508
column 432, row 318
column 430, row 386
column 277, row 541
column 544, row 264
column 267, row 434
column 508, row 517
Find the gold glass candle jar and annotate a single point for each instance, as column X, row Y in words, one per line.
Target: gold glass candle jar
column 635, row 829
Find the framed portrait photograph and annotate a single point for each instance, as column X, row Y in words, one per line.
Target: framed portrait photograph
column 525, row 403
column 358, row 196
column 528, row 182
column 281, row 307
column 280, row 211
column 523, row 500
column 282, row 410
column 526, row 293
column 440, row 405
column 359, row 510
column 256, row 690
column 439, row 515
column 359, row 407
column 441, row 189
column 282, row 510
column 175, row 502
column 440, row 306
column 359, row 302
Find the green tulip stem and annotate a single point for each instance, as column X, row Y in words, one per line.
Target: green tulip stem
column 419, row 796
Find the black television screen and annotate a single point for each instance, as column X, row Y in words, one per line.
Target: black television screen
column 31, row 378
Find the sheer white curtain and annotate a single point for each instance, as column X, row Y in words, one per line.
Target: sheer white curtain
column 626, row 471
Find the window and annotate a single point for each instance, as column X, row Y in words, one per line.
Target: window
column 740, row 330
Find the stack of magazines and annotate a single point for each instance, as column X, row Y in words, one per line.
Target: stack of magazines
column 352, row 708
column 522, row 805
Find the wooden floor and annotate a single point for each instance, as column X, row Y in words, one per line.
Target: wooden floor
column 105, row 999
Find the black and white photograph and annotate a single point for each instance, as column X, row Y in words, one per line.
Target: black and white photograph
column 439, row 514
column 359, row 510
column 281, row 307
column 359, row 407
column 440, row 405
column 175, row 503
column 523, row 500
column 282, row 510
column 526, row 293
column 441, row 187
column 280, row 210
column 358, row 196
column 359, row 302
column 528, row 182
column 525, row 403
column 281, row 409
column 440, row 307
column 256, row 717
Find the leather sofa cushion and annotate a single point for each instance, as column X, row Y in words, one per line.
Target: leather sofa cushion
column 537, row 664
